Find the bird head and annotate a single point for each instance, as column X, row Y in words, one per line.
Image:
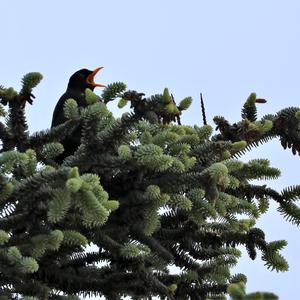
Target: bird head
column 83, row 79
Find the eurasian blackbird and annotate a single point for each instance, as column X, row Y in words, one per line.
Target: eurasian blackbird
column 78, row 83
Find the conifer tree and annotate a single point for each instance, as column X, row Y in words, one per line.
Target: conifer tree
column 145, row 191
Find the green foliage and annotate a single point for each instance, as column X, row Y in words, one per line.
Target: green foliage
column 9, row 159
column 151, row 221
column 23, row 264
column 234, row 165
column 166, row 97
column 28, row 265
column 59, row 205
column 74, row 184
column 71, row 109
column 124, row 152
column 145, row 191
column 249, row 110
column 218, row 172
column 153, row 192
column 263, row 205
column 31, row 163
column 171, row 108
column 260, row 169
column 172, row 288
column 30, row 81
column 122, row 102
column 55, row 239
column 131, row 250
column 152, row 157
column 2, row 109
column 74, row 173
column 96, row 109
column 203, row 132
column 185, row 103
column 91, row 97
column 291, row 193
column 273, row 259
column 113, row 91
column 14, row 255
column 181, row 202
column 9, row 93
column 93, row 212
column 74, row 238
column 239, row 278
column 51, row 150
column 238, row 146
column 266, row 126
column 6, row 191
column 3, row 237
column 237, row 292
column 111, row 205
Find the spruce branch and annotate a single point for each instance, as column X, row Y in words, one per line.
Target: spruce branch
column 145, row 190
column 113, row 91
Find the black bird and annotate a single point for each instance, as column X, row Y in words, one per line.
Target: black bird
column 78, row 83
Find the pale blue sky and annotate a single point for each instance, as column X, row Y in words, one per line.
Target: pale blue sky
column 224, row 49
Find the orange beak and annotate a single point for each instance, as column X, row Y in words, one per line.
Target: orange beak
column 90, row 79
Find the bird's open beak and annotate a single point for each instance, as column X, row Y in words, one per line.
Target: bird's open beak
column 90, row 79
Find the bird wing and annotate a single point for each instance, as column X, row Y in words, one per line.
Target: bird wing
column 58, row 113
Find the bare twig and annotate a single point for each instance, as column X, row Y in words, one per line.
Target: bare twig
column 203, row 110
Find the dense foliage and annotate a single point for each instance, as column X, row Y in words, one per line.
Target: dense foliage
column 146, row 192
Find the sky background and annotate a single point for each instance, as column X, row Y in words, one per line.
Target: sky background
column 224, row 49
